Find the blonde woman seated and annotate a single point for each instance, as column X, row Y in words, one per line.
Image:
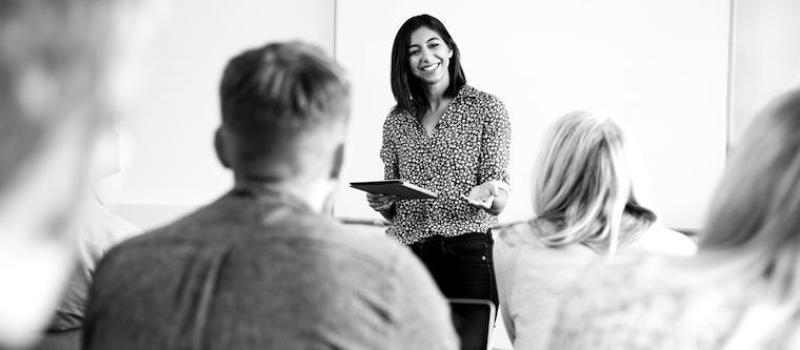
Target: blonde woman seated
column 741, row 290
column 585, row 208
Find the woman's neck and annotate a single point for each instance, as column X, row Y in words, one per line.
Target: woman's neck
column 435, row 94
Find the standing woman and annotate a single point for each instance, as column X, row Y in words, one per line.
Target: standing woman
column 453, row 139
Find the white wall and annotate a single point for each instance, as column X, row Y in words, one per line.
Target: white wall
column 172, row 167
column 766, row 56
column 658, row 67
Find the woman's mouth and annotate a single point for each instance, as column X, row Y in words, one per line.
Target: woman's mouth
column 430, row 67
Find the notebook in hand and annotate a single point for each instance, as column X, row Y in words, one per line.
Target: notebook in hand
column 399, row 188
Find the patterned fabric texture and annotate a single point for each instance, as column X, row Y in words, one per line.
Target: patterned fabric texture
column 469, row 146
column 641, row 304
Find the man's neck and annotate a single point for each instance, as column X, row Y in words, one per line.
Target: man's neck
column 311, row 194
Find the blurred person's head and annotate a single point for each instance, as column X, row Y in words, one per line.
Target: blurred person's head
column 285, row 109
column 407, row 87
column 754, row 220
column 582, row 186
column 58, row 84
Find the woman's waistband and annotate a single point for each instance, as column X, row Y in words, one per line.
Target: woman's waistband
column 465, row 237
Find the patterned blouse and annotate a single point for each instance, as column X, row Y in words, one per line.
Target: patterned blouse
column 468, row 147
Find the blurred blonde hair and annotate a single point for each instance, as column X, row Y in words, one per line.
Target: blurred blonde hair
column 582, row 187
column 55, row 63
column 59, row 80
column 754, row 225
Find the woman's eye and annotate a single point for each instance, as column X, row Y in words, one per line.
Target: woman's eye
column 413, row 52
column 433, row 45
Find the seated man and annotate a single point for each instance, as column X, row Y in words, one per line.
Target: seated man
column 261, row 268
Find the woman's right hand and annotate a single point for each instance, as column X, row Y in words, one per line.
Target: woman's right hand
column 381, row 202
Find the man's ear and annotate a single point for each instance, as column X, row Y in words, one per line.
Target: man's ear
column 338, row 161
column 222, row 145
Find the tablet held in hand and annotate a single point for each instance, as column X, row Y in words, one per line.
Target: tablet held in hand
column 399, row 188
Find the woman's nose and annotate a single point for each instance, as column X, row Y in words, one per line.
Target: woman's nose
column 427, row 52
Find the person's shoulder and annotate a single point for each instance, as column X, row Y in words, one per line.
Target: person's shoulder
column 481, row 98
column 142, row 241
column 140, row 246
column 113, row 270
column 396, row 113
column 662, row 240
column 517, row 235
column 100, row 230
column 182, row 226
column 395, row 118
column 484, row 107
column 519, row 245
column 525, row 236
column 363, row 242
column 101, row 225
column 480, row 95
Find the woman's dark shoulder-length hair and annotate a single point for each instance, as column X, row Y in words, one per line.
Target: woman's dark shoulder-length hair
column 407, row 89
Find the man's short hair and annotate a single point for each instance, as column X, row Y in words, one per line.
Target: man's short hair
column 278, row 96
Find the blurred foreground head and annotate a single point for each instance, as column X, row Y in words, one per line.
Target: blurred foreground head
column 61, row 68
column 757, row 206
column 754, row 223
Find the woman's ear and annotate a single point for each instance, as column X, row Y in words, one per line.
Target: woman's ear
column 221, row 145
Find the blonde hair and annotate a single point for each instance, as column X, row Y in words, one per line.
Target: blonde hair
column 754, row 223
column 582, row 188
column 55, row 64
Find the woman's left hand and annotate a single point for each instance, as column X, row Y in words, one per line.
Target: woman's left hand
column 483, row 195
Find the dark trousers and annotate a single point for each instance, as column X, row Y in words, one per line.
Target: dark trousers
column 462, row 265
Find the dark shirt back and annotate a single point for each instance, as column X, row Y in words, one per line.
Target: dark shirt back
column 264, row 271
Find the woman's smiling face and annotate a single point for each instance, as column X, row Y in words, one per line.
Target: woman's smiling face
column 429, row 56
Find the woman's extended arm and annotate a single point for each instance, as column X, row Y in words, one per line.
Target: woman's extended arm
column 492, row 193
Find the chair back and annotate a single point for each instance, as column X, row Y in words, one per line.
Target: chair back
column 473, row 319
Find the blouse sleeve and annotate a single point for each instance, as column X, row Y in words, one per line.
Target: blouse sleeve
column 389, row 153
column 495, row 144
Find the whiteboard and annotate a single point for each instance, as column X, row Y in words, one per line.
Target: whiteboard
column 173, row 120
column 659, row 68
column 168, row 159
